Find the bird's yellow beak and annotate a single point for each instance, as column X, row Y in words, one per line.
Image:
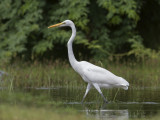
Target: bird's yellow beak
column 56, row 25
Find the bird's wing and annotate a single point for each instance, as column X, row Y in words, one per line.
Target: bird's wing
column 97, row 74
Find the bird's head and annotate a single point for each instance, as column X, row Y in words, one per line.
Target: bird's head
column 62, row 24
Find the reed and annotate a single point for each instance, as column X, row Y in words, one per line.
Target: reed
column 51, row 74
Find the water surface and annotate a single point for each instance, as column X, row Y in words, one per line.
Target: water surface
column 134, row 103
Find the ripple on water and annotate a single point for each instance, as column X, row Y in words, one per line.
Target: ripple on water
column 72, row 103
column 139, row 103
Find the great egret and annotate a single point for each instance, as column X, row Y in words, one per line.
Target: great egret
column 95, row 76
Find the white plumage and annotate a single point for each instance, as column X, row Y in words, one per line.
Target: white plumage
column 94, row 75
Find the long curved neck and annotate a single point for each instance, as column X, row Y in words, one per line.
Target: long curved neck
column 71, row 56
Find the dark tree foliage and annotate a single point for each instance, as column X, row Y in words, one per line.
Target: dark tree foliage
column 149, row 25
column 104, row 27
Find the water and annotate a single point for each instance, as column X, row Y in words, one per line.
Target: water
column 134, row 103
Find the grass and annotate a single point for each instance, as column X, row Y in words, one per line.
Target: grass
column 59, row 74
column 16, row 112
column 24, row 105
column 21, row 105
column 157, row 117
column 39, row 75
column 51, row 74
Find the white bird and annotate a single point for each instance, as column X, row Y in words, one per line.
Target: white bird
column 95, row 76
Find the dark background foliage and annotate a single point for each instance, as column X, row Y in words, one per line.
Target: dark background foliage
column 104, row 28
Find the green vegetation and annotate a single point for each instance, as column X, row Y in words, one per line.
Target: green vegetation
column 21, row 101
column 26, row 105
column 105, row 27
column 17, row 112
column 27, row 113
column 157, row 117
column 121, row 36
column 49, row 74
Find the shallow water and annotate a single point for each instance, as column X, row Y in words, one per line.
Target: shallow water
column 133, row 103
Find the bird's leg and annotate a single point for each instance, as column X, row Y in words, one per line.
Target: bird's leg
column 99, row 90
column 87, row 90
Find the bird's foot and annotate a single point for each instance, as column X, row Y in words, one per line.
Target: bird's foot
column 82, row 101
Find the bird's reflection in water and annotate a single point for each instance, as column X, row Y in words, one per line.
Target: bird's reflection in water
column 106, row 114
